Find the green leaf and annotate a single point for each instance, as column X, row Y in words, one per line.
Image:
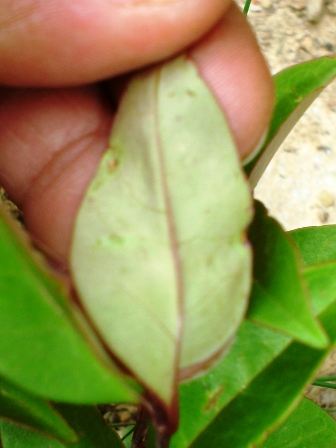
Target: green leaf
column 252, row 353
column 18, row 406
column 270, row 397
column 326, row 381
column 321, row 281
column 265, row 402
column 87, row 421
column 308, row 426
column 279, row 296
column 158, row 255
column 202, row 399
column 316, row 244
column 42, row 345
column 296, row 88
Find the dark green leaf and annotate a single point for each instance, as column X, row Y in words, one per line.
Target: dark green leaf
column 42, row 345
column 296, row 88
column 326, row 381
column 307, row 427
column 271, row 396
column 279, row 296
column 253, row 350
column 19, row 406
column 87, row 421
column 267, row 400
column 202, row 399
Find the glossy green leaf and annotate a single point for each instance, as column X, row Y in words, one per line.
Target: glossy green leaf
column 202, row 399
column 316, row 244
column 270, row 397
column 326, row 381
column 158, row 255
column 265, row 402
column 42, row 345
column 307, row 427
column 19, row 406
column 279, row 296
column 254, row 349
column 321, row 280
column 296, row 88
column 86, row 420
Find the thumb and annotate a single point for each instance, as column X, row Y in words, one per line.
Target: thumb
column 57, row 42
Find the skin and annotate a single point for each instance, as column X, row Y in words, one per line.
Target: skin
column 54, row 120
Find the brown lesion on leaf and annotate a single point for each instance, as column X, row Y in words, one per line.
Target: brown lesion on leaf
column 191, row 92
column 112, row 164
column 212, row 402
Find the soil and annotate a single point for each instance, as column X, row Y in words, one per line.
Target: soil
column 299, row 185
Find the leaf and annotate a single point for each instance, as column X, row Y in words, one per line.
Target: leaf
column 279, row 296
column 18, row 406
column 86, row 420
column 307, row 426
column 270, row 397
column 321, row 280
column 158, row 254
column 316, row 244
column 296, row 88
column 44, row 346
column 266, row 401
column 254, row 350
column 202, row 399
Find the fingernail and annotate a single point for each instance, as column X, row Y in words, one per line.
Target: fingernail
column 255, row 151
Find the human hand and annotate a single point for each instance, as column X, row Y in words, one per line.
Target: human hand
column 54, row 121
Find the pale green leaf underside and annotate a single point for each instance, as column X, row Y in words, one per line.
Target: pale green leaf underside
column 159, row 257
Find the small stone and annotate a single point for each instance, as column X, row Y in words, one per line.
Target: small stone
column 314, row 10
column 291, row 149
column 266, row 4
column 331, row 103
column 324, row 148
column 255, row 8
column 307, row 43
column 329, row 46
column 331, row 7
column 297, row 5
column 323, row 216
column 326, row 198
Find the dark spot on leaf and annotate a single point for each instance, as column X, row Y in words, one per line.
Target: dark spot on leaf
column 112, row 164
column 191, row 92
column 213, row 399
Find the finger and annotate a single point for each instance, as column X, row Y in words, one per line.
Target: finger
column 230, row 60
column 54, row 43
column 51, row 143
column 52, row 140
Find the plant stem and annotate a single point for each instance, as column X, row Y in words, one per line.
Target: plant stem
column 246, row 6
